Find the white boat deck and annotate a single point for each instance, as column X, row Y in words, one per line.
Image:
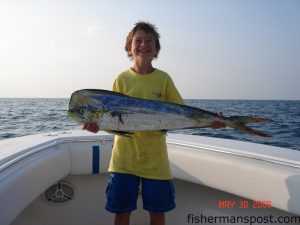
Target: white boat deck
column 208, row 172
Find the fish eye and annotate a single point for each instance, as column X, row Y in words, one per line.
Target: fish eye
column 82, row 110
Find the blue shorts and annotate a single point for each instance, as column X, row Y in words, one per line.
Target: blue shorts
column 123, row 189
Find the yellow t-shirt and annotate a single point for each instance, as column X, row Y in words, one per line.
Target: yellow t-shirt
column 145, row 154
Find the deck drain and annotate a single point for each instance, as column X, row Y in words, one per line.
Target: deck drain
column 59, row 193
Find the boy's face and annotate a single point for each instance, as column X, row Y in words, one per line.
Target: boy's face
column 143, row 46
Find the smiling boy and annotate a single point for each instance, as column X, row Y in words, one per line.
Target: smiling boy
column 142, row 159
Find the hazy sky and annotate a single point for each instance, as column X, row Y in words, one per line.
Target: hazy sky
column 213, row 49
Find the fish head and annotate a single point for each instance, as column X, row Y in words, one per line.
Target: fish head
column 83, row 114
column 76, row 114
column 82, row 108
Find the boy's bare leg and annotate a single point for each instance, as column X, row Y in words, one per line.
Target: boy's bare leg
column 157, row 218
column 122, row 218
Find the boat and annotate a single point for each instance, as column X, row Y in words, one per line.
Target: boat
column 59, row 178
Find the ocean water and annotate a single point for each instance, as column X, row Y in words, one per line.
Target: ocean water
column 19, row 117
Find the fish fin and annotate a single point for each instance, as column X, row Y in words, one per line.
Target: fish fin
column 242, row 127
column 119, row 114
column 120, row 133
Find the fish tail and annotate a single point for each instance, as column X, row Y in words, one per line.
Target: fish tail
column 239, row 124
column 244, row 128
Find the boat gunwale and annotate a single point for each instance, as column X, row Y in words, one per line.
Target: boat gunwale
column 103, row 138
column 54, row 143
column 232, row 153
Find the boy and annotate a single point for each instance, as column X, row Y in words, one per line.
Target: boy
column 144, row 157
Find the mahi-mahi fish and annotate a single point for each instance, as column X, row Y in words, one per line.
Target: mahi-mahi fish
column 124, row 115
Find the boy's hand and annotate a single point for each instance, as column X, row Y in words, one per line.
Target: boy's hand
column 92, row 127
column 217, row 124
column 219, row 113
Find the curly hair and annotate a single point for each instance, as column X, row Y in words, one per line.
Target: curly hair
column 148, row 28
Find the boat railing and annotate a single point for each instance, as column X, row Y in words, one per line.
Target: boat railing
column 239, row 154
column 53, row 144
